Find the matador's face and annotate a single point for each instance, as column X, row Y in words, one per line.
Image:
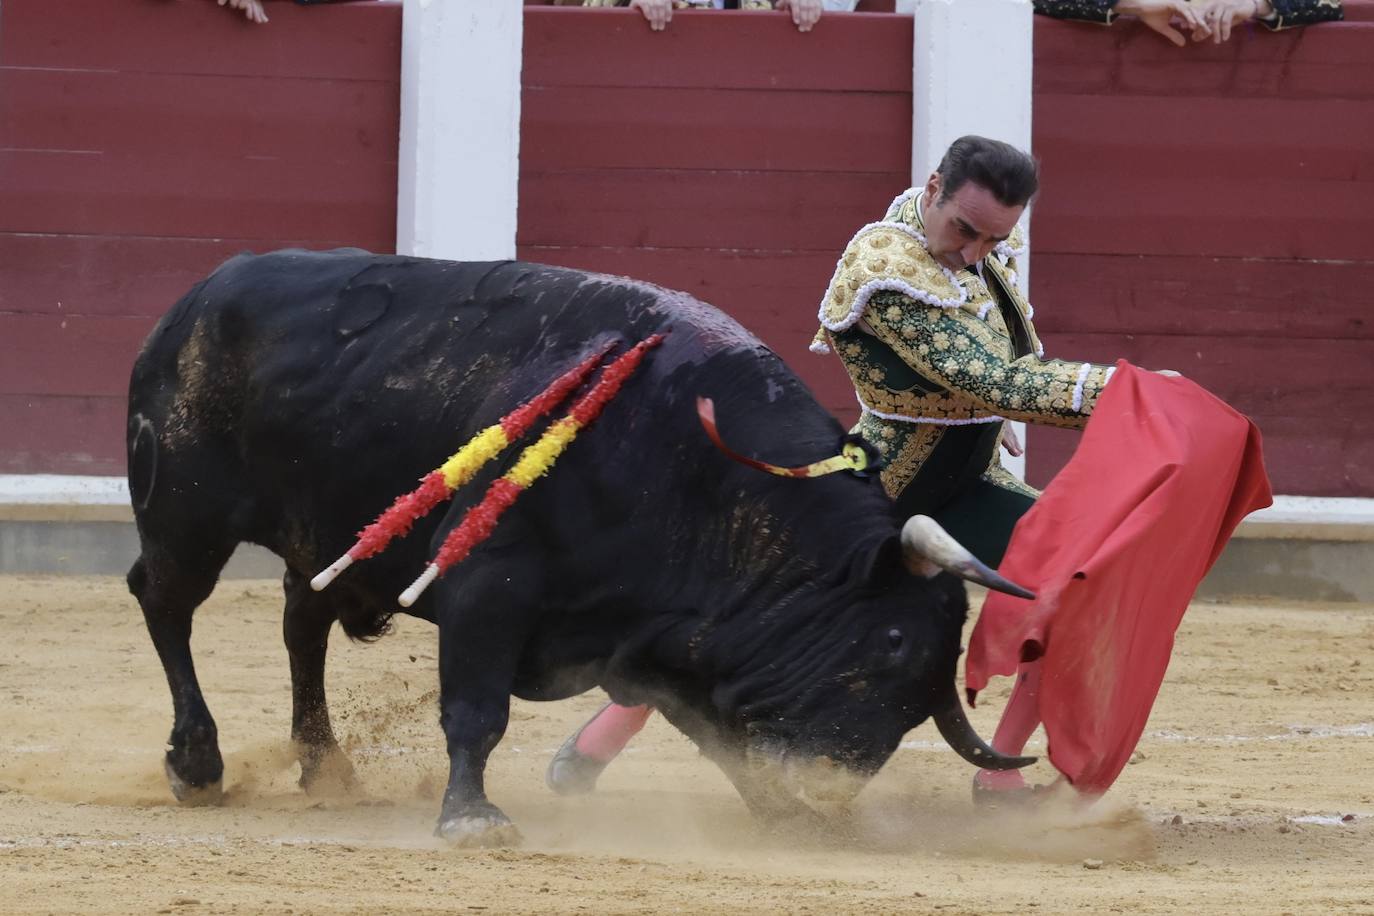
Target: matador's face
column 962, row 228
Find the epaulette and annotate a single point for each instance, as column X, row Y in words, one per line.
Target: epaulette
column 886, row 256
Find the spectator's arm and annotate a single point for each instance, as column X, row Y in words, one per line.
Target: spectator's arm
column 1082, row 10
column 1159, row 15
column 1286, row 14
column 1220, row 16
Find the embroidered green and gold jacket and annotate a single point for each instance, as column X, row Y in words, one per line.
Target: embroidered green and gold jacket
column 931, row 353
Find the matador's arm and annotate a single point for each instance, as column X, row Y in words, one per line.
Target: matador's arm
column 959, row 351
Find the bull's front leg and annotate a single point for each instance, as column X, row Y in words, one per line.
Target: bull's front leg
column 482, row 626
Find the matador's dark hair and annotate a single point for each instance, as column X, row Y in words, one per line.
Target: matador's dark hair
column 1010, row 175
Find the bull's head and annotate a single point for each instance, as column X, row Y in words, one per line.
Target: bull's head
column 838, row 686
column 830, row 697
column 895, row 667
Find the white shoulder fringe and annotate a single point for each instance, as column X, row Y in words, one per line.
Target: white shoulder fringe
column 887, row 284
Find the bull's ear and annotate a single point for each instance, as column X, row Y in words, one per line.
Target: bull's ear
column 881, row 566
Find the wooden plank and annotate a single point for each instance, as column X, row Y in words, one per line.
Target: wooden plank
column 1181, row 295
column 355, row 41
column 722, row 277
column 198, row 197
column 1278, row 217
column 1047, row 451
column 84, row 435
column 69, row 355
column 567, row 46
column 154, row 114
column 1313, row 458
column 1303, row 457
column 775, row 294
column 1246, row 139
column 1323, row 61
column 810, row 211
column 105, row 345
column 634, row 127
column 113, row 275
column 1330, row 380
column 45, row 434
column 48, row 434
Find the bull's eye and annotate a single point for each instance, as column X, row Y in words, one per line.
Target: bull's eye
column 894, row 639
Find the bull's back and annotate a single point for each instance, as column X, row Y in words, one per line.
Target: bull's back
column 330, row 343
column 309, row 389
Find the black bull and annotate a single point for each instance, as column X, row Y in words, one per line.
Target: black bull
column 288, row 398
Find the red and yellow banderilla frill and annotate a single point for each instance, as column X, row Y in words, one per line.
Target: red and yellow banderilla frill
column 534, row 462
column 462, row 466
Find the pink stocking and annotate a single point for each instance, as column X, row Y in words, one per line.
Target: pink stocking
column 610, row 730
column 1019, row 721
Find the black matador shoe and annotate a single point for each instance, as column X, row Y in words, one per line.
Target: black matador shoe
column 572, row 772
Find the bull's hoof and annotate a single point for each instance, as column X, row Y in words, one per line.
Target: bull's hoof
column 211, row 793
column 484, row 831
column 327, row 773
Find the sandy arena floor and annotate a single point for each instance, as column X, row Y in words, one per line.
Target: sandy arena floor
column 1253, row 791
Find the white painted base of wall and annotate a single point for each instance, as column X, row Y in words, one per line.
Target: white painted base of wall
column 1304, row 548
column 64, row 498
column 69, row 498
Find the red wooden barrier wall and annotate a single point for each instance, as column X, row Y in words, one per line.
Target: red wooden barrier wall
column 143, row 142
column 1208, row 210
column 731, row 162
column 1205, row 209
column 1212, row 211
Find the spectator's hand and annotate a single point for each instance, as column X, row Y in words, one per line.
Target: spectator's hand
column 658, row 12
column 805, row 13
column 252, row 9
column 1219, row 16
column 1161, row 15
column 1010, row 442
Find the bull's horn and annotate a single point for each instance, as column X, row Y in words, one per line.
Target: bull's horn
column 959, row 734
column 926, row 546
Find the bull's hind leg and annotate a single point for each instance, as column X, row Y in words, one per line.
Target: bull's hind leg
column 169, row 589
column 309, row 615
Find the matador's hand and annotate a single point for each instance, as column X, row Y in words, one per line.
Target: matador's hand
column 1010, row 442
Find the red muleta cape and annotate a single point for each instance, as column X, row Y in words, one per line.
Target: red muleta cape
column 1114, row 550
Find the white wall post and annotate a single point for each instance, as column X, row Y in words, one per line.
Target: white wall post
column 459, row 158
column 972, row 75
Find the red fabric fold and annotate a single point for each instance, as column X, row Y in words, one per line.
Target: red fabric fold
column 1115, row 549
